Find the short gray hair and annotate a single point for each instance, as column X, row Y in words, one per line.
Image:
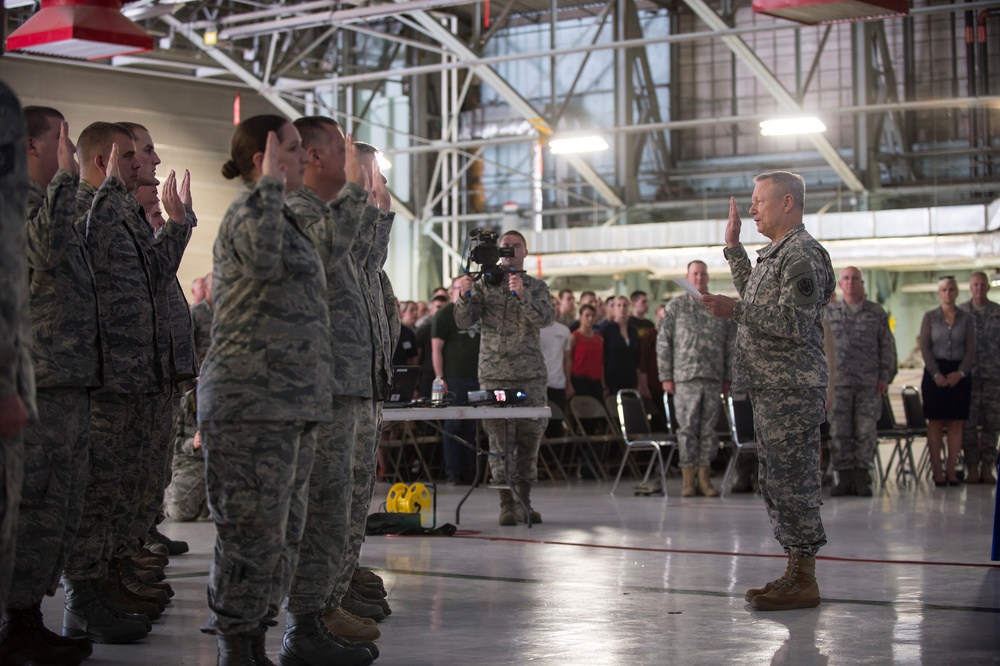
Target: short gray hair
column 787, row 183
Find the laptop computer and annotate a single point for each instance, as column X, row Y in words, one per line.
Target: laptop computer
column 404, row 384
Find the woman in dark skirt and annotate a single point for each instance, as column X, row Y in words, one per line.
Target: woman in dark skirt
column 948, row 345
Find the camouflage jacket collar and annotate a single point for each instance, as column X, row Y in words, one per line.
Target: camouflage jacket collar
column 774, row 248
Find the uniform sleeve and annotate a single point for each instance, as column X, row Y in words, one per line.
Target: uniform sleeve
column 926, row 345
column 887, row 365
column 257, row 234
column 391, row 311
column 106, row 208
column 970, row 346
column 343, row 217
column 469, row 309
column 799, row 304
column 730, row 351
column 665, row 345
column 168, row 249
column 830, row 351
column 538, row 305
column 50, row 224
column 739, row 266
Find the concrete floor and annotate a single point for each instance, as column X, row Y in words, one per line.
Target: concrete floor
column 906, row 578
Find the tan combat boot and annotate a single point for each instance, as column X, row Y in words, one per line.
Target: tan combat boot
column 986, row 473
column 972, row 473
column 704, row 483
column 524, row 490
column 350, row 627
column 755, row 591
column 689, row 489
column 507, row 512
column 797, row 590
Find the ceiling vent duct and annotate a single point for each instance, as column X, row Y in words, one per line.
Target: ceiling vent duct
column 84, row 29
column 815, row 12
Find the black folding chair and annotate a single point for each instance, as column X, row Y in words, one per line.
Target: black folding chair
column 744, row 440
column 637, row 435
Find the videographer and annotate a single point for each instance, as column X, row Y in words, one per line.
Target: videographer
column 512, row 307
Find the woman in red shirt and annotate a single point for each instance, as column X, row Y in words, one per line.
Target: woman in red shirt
column 588, row 357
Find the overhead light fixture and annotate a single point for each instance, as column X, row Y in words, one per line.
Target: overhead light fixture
column 14, row 4
column 789, row 126
column 383, row 163
column 84, row 29
column 578, row 144
column 211, row 36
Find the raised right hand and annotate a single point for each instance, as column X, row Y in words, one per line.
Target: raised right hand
column 271, row 166
column 734, row 225
column 113, row 170
column 353, row 173
column 66, row 152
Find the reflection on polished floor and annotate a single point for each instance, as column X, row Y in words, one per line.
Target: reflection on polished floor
column 906, row 578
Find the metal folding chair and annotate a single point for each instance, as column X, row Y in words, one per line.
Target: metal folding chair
column 743, row 438
column 636, row 433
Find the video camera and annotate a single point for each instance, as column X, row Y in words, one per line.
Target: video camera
column 485, row 252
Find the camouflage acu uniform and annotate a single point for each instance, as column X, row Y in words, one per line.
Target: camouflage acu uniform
column 184, row 499
column 334, row 229
column 201, row 321
column 264, row 385
column 66, row 351
column 176, row 350
column 694, row 349
column 780, row 360
column 865, row 354
column 984, row 409
column 16, row 377
column 370, row 255
column 510, row 356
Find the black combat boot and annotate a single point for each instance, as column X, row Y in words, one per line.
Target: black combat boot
column 173, row 547
column 845, row 483
column 86, row 615
column 307, row 642
column 25, row 640
column 862, row 482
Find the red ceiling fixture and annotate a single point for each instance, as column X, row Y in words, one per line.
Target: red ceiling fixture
column 85, row 29
column 815, row 12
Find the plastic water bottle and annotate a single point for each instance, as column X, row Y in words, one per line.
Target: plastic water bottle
column 437, row 391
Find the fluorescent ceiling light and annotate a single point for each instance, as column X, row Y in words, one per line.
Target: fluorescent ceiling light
column 579, row 144
column 12, row 4
column 787, row 126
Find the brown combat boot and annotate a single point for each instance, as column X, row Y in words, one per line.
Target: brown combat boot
column 704, row 482
column 524, row 490
column 986, row 473
column 689, row 489
column 508, row 515
column 798, row 590
column 755, row 591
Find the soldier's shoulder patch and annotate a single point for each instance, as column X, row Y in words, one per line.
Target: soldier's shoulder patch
column 801, row 277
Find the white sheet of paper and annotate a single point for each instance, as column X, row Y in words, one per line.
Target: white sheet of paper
column 686, row 285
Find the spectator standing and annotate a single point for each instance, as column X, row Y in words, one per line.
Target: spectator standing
column 980, row 446
column 948, row 345
column 587, row 347
column 621, row 350
column 864, row 365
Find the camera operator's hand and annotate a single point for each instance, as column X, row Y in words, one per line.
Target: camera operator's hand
column 465, row 286
column 516, row 284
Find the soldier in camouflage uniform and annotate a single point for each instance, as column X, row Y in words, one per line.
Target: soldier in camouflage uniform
column 694, row 353
column 980, row 447
column 129, row 267
column 510, row 356
column 175, row 351
column 780, row 360
column 864, row 363
column 369, row 255
column 201, row 320
column 331, row 206
column 264, row 386
column 184, row 500
column 17, row 386
column 66, row 351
